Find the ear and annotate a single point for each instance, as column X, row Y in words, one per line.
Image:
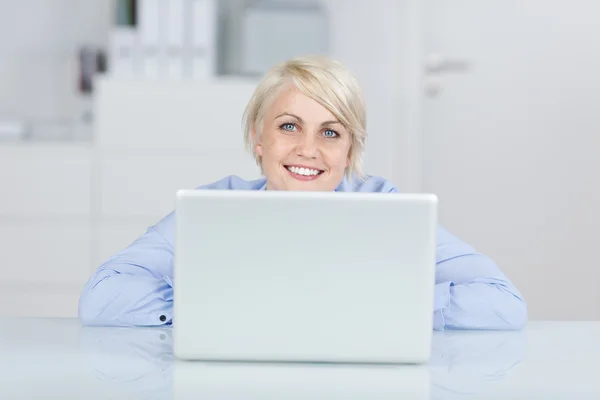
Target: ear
column 258, row 149
column 348, row 158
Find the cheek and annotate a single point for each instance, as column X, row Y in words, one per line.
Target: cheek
column 339, row 156
column 266, row 144
column 276, row 148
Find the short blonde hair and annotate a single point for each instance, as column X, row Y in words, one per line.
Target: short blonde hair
column 327, row 82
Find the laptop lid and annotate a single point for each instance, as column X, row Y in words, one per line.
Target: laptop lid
column 304, row 276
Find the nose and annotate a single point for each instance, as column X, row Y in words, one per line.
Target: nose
column 307, row 146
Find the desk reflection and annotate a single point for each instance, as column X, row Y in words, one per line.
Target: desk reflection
column 140, row 362
column 467, row 363
column 130, row 361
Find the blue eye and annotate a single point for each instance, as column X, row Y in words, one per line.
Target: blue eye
column 330, row 134
column 288, row 127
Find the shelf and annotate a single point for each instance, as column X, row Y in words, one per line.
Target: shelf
column 143, row 115
column 29, row 145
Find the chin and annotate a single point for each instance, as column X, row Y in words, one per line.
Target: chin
column 310, row 188
column 313, row 186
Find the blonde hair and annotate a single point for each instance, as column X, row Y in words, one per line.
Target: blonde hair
column 327, row 82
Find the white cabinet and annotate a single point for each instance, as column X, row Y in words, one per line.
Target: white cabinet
column 154, row 138
column 45, row 251
column 177, row 117
column 45, row 180
column 41, row 300
column 45, row 232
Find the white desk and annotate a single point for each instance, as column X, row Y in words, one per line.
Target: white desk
column 56, row 358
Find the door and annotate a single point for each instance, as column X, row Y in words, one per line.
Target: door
column 510, row 141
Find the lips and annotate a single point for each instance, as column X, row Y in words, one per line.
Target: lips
column 303, row 173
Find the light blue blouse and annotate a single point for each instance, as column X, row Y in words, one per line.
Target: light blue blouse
column 134, row 287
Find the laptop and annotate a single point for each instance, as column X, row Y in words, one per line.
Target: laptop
column 284, row 276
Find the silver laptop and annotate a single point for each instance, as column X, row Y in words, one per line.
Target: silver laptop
column 304, row 276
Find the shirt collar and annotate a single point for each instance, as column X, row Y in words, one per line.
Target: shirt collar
column 342, row 187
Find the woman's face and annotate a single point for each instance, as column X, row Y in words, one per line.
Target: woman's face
column 303, row 146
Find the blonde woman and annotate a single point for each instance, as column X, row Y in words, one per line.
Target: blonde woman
column 305, row 126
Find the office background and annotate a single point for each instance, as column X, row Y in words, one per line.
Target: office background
column 493, row 105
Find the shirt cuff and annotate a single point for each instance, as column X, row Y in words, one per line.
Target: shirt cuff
column 165, row 318
column 442, row 296
column 441, row 301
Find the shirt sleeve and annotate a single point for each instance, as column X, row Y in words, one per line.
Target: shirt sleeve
column 471, row 292
column 133, row 287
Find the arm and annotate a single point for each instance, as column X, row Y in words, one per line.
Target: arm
column 471, row 292
column 133, row 287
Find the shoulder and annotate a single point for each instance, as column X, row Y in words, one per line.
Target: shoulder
column 234, row 182
column 373, row 184
column 165, row 228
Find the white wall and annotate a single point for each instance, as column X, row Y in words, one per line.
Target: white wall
column 45, row 235
column 511, row 144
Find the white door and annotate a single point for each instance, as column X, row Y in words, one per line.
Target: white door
column 510, row 140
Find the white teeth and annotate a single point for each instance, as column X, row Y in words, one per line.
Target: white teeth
column 304, row 171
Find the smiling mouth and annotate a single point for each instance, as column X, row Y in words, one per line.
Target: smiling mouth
column 303, row 171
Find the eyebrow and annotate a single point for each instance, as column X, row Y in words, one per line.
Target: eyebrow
column 302, row 121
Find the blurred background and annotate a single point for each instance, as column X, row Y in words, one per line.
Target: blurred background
column 107, row 107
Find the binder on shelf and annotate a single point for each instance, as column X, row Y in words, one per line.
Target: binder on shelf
column 171, row 39
column 201, row 68
column 203, row 22
column 124, row 52
column 175, row 41
column 149, row 22
column 203, row 32
column 175, row 13
column 151, row 68
column 152, row 37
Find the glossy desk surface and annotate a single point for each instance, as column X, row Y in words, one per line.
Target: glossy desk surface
column 57, row 358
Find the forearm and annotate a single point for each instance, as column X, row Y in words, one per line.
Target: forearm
column 479, row 304
column 133, row 287
column 111, row 298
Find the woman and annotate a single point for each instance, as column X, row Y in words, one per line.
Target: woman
column 305, row 125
